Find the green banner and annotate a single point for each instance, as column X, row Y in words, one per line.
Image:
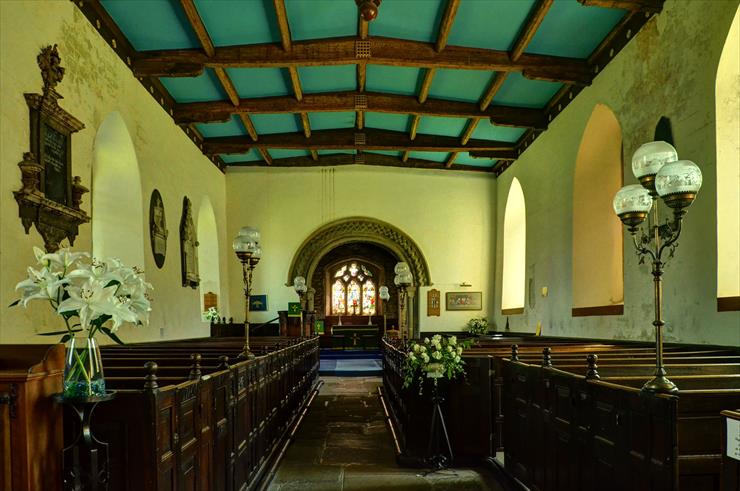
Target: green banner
column 294, row 309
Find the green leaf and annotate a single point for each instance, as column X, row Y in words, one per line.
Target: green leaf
column 111, row 335
column 57, row 333
column 15, row 303
column 65, row 338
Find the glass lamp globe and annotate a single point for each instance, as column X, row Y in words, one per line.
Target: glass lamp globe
column 246, row 240
column 401, row 268
column 678, row 182
column 648, row 160
column 632, row 203
column 384, row 294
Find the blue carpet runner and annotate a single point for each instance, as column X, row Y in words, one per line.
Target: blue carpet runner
column 350, row 363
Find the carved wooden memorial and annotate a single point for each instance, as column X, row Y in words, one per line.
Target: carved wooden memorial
column 433, row 303
column 158, row 228
column 50, row 198
column 188, row 246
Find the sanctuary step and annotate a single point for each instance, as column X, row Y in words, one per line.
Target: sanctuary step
column 350, row 363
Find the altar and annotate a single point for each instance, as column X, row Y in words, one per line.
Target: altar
column 355, row 337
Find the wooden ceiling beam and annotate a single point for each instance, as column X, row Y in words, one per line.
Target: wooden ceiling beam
column 220, row 111
column 283, row 26
column 414, row 126
column 472, row 125
column 649, row 6
column 341, row 51
column 249, row 126
column 374, row 139
column 191, row 12
column 369, row 159
column 362, row 33
column 451, row 159
column 426, row 84
column 266, row 155
column 536, row 16
column 445, row 25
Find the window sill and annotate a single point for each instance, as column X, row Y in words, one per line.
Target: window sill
column 601, row 310
column 516, row 311
column 728, row 304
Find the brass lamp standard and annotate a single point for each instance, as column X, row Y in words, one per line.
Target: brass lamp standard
column 403, row 281
column 384, row 297
column 660, row 173
column 299, row 284
column 247, row 249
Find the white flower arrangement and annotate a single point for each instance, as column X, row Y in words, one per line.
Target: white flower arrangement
column 478, row 325
column 436, row 358
column 211, row 314
column 87, row 293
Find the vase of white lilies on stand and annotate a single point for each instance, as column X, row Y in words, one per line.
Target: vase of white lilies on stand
column 91, row 297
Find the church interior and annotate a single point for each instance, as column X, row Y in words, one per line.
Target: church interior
column 370, row 244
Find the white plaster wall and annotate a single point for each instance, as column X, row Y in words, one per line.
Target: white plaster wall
column 96, row 83
column 448, row 214
column 668, row 69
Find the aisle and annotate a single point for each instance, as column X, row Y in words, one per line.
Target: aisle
column 344, row 444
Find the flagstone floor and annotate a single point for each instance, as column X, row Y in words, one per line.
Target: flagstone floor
column 345, row 444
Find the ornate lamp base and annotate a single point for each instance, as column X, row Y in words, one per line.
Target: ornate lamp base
column 660, row 385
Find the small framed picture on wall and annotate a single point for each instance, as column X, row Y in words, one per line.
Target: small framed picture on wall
column 464, row 301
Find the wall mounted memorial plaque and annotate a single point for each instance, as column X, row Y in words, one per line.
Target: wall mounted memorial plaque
column 157, row 228
column 433, row 303
column 50, row 197
column 188, row 246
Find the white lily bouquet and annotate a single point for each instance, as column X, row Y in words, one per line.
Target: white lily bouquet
column 478, row 325
column 211, row 314
column 92, row 297
column 436, row 358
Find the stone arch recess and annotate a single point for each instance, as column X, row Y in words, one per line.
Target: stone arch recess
column 358, row 229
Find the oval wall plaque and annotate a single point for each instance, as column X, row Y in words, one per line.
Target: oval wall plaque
column 157, row 228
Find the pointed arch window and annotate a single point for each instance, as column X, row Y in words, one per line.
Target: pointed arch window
column 353, row 291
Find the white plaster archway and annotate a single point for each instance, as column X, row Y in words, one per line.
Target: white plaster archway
column 208, row 252
column 117, row 202
column 515, row 251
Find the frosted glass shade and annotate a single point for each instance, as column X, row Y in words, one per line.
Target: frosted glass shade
column 403, row 279
column 383, row 292
column 680, row 177
column 401, row 268
column 632, row 198
column 247, row 240
column 299, row 283
column 257, row 252
column 650, row 157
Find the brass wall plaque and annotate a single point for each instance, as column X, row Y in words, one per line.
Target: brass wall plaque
column 433, row 303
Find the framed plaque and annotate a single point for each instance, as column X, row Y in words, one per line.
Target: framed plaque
column 433, row 303
column 464, row 300
column 158, row 229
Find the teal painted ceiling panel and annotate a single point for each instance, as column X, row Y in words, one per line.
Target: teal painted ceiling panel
column 392, row 153
column 266, row 124
column 433, row 156
column 432, row 125
column 464, row 158
column 487, row 131
column 460, row 85
column 327, row 121
column 206, row 87
column 233, row 127
column 388, row 121
column 250, row 156
column 260, row 82
column 328, row 78
column 392, row 79
column 521, row 92
column 233, row 22
column 408, row 19
column 488, row 24
column 321, row 18
column 152, row 24
column 569, row 16
column 284, row 153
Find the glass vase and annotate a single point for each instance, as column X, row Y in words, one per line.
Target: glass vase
column 83, row 369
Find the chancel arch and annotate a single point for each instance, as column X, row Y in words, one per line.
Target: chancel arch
column 728, row 171
column 208, row 261
column 597, row 234
column 515, row 251
column 117, row 201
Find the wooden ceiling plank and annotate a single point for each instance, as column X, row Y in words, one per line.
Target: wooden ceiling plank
column 191, row 12
column 266, row 155
column 340, row 139
column 362, row 27
column 493, row 88
column 426, row 84
column 472, row 125
column 649, row 6
column 314, row 155
column 204, row 112
column 536, row 16
column 445, row 25
column 341, row 51
column 296, row 82
column 405, row 156
column 370, row 159
column 360, row 120
column 306, row 125
column 227, row 85
column 414, row 127
column 283, row 26
column 249, row 126
column 451, row 159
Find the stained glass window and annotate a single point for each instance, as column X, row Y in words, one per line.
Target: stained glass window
column 338, row 298
column 353, row 292
column 368, row 298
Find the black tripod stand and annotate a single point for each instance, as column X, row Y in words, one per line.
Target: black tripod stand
column 439, row 441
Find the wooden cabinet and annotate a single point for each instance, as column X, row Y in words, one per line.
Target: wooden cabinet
column 31, row 438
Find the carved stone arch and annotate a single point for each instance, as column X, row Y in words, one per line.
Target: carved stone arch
column 358, row 229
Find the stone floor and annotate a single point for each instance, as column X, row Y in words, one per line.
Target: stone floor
column 344, row 444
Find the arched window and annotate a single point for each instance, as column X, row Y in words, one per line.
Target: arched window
column 208, row 260
column 353, row 290
column 728, row 171
column 515, row 245
column 117, row 202
column 598, row 253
